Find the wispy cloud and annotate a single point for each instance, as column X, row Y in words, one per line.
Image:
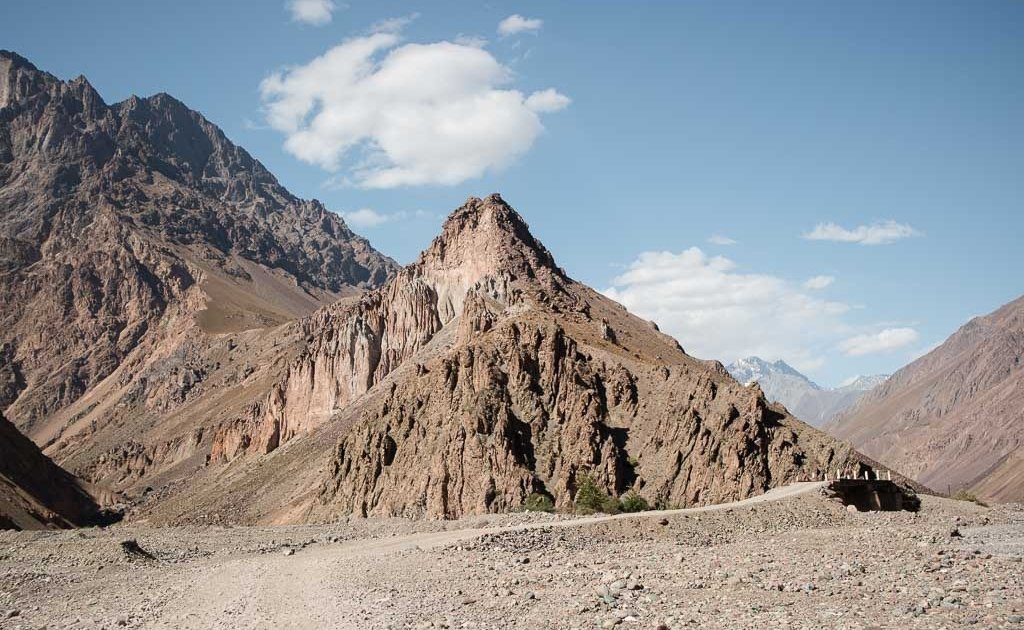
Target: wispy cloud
column 718, row 239
column 403, row 115
column 882, row 233
column 883, row 341
column 370, row 218
column 819, row 282
column 315, row 12
column 516, row 23
column 547, row 101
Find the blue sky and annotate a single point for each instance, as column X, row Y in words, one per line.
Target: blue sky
column 665, row 124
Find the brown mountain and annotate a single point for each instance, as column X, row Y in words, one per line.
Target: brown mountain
column 953, row 419
column 132, row 236
column 477, row 376
column 35, row 493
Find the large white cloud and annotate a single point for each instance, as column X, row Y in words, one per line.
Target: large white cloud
column 411, row 114
column 882, row 233
column 883, row 341
column 315, row 12
column 716, row 312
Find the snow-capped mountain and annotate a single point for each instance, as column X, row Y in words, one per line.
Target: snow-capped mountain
column 807, row 400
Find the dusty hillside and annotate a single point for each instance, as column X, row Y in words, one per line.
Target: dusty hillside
column 479, row 375
column 953, row 419
column 135, row 239
column 35, row 493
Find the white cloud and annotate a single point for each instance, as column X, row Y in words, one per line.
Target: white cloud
column 717, row 312
column 315, row 12
column 370, row 218
column 882, row 341
column 474, row 41
column 399, row 115
column 881, row 233
column 718, row 239
column 366, row 217
column 547, row 101
column 393, row 25
column 516, row 23
column 819, row 282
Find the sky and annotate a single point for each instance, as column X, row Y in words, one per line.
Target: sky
column 835, row 184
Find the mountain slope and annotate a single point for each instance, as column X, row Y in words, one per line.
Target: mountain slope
column 807, row 400
column 953, row 419
column 35, row 493
column 132, row 235
column 477, row 376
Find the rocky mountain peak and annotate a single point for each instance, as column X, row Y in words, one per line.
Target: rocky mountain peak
column 487, row 237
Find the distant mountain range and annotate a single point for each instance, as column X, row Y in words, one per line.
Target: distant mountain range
column 953, row 419
column 807, row 400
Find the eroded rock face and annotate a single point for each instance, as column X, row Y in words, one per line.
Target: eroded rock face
column 350, row 348
column 520, row 408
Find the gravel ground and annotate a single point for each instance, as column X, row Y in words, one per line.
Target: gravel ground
column 800, row 562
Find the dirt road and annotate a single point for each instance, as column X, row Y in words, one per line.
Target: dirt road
column 306, row 590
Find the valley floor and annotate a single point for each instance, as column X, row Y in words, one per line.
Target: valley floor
column 788, row 559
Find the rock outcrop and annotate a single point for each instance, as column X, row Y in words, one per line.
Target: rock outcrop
column 35, row 493
column 953, row 419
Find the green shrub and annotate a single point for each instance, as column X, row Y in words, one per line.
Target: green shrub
column 591, row 498
column 537, row 502
column 633, row 502
column 964, row 495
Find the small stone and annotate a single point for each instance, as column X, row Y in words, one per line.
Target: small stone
column 289, row 552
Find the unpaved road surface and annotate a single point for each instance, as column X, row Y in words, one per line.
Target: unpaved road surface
column 790, row 558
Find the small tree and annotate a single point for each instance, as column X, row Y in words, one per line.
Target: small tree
column 537, row 502
column 633, row 502
column 591, row 498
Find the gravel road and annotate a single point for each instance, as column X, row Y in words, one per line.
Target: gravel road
column 790, row 558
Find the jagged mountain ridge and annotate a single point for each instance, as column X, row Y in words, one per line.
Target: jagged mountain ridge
column 124, row 226
column 477, row 376
column 954, row 418
column 808, row 401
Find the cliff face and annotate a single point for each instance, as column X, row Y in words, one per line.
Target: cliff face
column 350, row 348
column 953, row 419
column 35, row 493
column 133, row 231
